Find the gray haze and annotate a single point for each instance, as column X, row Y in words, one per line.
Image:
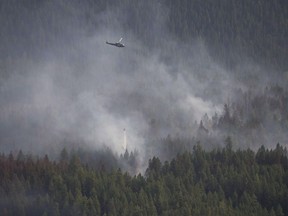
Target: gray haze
column 61, row 84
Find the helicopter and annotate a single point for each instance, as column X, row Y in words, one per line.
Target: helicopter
column 118, row 44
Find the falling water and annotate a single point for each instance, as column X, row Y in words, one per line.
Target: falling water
column 124, row 140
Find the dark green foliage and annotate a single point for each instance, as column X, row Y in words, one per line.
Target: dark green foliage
column 250, row 119
column 219, row 182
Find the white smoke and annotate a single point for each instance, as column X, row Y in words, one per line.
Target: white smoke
column 81, row 90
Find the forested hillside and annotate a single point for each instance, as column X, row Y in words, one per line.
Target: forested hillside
column 233, row 30
column 199, row 94
column 236, row 29
column 258, row 117
column 249, row 120
column 218, row 182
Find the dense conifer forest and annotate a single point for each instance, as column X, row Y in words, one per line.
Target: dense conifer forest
column 217, row 182
column 54, row 95
column 233, row 30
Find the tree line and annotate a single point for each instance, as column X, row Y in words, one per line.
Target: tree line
column 222, row 181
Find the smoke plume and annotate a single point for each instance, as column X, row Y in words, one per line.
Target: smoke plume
column 61, row 84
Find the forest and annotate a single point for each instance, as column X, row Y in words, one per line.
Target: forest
column 233, row 30
column 65, row 99
column 218, row 182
